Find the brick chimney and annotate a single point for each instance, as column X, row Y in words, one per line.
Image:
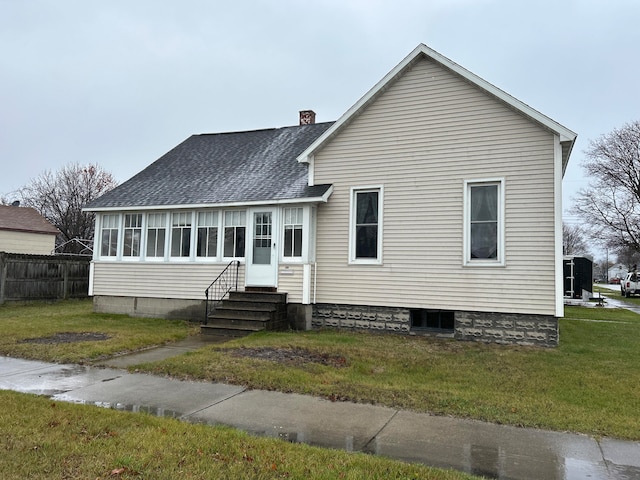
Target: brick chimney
column 307, row 117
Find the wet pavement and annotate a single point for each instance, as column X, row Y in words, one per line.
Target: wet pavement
column 496, row 451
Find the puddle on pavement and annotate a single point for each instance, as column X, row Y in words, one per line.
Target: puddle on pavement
column 151, row 410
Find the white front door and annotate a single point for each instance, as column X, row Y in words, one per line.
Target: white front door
column 262, row 257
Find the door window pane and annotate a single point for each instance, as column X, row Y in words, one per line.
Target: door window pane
column 262, row 238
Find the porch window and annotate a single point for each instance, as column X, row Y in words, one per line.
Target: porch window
column 293, row 232
column 366, row 225
column 181, row 234
column 234, row 233
column 132, row 235
column 156, row 234
column 207, row 234
column 109, row 235
column 484, row 225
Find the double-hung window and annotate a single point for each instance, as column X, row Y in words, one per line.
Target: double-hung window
column 109, row 235
column 181, row 234
column 156, row 234
column 235, row 222
column 293, row 218
column 132, row 235
column 365, row 243
column 484, row 222
column 207, row 244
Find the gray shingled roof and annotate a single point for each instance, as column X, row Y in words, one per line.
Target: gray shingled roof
column 223, row 168
column 24, row 219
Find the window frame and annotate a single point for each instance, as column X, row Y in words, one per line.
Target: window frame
column 499, row 261
column 189, row 227
column 215, row 224
column 163, row 227
column 139, row 228
column 234, row 226
column 379, row 189
column 117, row 228
column 301, row 224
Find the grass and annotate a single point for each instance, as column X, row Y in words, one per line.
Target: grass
column 20, row 322
column 588, row 384
column 42, row 439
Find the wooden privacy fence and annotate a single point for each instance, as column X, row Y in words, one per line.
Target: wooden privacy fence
column 43, row 277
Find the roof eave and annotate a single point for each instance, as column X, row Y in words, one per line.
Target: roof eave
column 139, row 208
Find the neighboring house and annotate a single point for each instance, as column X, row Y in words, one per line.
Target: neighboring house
column 618, row 271
column 24, row 230
column 434, row 170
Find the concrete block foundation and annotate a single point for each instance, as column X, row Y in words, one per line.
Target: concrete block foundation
column 500, row 328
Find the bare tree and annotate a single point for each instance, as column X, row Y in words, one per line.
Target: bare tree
column 60, row 197
column 574, row 240
column 611, row 203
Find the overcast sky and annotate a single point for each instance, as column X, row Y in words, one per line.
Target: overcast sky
column 120, row 82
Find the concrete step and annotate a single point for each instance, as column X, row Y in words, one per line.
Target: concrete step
column 227, row 331
column 269, row 297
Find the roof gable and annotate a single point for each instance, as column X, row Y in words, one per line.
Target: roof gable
column 223, row 169
column 24, row 219
column 567, row 137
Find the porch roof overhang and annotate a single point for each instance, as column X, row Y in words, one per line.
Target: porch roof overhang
column 322, row 194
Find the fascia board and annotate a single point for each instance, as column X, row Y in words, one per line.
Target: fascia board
column 321, row 199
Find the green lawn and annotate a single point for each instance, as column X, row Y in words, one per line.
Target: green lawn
column 41, row 439
column 20, row 323
column 588, row 384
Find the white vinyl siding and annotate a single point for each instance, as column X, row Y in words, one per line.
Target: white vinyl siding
column 290, row 280
column 423, row 137
column 25, row 242
column 156, row 280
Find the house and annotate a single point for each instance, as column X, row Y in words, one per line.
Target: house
column 433, row 170
column 617, row 272
column 24, row 230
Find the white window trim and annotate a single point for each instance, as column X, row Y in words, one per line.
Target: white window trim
column 466, row 254
column 247, row 242
column 167, row 222
column 191, row 256
column 352, row 224
column 132, row 258
column 216, row 258
column 117, row 256
column 305, row 236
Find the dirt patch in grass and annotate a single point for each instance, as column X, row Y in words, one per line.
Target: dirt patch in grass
column 69, row 337
column 290, row 356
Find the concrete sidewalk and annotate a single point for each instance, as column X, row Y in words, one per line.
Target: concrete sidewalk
column 474, row 447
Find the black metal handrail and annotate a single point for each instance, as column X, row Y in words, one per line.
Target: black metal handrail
column 220, row 287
